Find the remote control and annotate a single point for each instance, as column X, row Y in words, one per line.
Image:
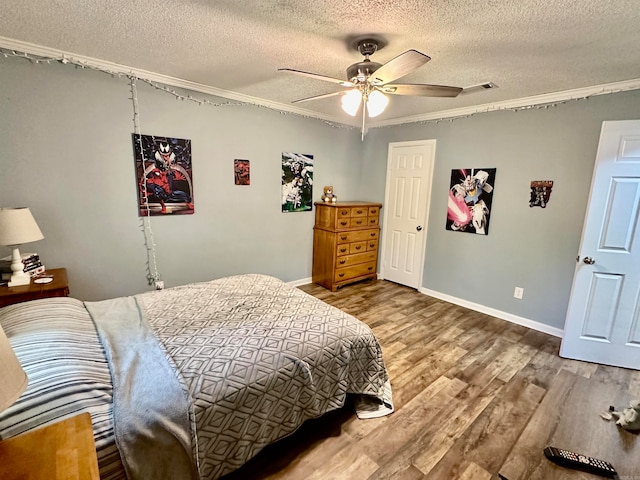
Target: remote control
column 578, row 461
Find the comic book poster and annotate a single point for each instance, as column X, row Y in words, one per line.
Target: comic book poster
column 297, row 182
column 164, row 175
column 470, row 199
column 241, row 172
column 540, row 193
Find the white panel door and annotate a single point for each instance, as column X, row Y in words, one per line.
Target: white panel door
column 406, row 209
column 602, row 324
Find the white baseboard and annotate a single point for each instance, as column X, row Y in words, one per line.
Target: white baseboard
column 525, row 322
column 302, row 281
column 509, row 317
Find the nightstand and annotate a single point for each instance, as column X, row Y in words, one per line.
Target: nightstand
column 64, row 450
column 59, row 287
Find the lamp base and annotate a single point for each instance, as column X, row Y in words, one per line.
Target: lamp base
column 18, row 279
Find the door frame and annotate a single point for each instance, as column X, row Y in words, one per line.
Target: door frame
column 429, row 183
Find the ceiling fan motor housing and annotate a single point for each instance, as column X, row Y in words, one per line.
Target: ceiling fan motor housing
column 359, row 72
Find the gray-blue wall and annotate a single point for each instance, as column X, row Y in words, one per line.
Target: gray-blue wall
column 533, row 248
column 66, row 153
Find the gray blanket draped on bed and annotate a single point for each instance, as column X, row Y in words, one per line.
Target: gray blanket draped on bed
column 150, row 404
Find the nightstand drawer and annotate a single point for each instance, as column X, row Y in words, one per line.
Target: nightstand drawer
column 58, row 287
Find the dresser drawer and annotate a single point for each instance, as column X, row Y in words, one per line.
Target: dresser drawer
column 356, row 259
column 358, row 247
column 359, row 211
column 373, row 221
column 358, row 236
column 374, row 212
column 359, row 222
column 355, row 271
column 344, row 212
column 372, row 245
column 343, row 223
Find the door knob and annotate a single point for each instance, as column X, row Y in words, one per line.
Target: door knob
column 588, row 260
column 419, row 227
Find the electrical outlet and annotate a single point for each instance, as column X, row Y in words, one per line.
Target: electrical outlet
column 518, row 293
column 159, row 284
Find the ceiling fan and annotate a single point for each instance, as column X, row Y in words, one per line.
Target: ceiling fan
column 368, row 81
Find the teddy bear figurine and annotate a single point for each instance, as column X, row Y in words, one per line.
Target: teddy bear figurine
column 328, row 195
column 629, row 418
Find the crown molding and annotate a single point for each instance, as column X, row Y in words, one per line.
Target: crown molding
column 61, row 56
column 535, row 101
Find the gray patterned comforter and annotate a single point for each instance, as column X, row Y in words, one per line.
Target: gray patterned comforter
column 260, row 357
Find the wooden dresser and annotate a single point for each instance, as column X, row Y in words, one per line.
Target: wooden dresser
column 345, row 243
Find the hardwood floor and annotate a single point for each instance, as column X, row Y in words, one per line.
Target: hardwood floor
column 474, row 396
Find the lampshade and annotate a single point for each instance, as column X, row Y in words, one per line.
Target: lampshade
column 351, row 101
column 17, row 226
column 376, row 103
column 13, row 380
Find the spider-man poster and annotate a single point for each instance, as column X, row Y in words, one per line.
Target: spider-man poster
column 241, row 172
column 470, row 198
column 164, row 175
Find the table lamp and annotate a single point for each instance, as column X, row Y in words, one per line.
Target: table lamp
column 13, row 380
column 17, row 226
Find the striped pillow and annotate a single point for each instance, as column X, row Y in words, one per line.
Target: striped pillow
column 58, row 347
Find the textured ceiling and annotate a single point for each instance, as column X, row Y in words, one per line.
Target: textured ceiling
column 527, row 48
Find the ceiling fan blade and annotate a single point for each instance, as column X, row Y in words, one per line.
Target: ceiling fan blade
column 420, row 90
column 344, row 83
column 478, row 88
column 399, row 66
column 318, row 97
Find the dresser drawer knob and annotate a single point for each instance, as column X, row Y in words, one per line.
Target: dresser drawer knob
column 373, row 234
column 370, row 268
column 342, row 250
column 371, row 245
column 358, row 222
column 343, row 223
column 341, row 275
column 344, row 237
column 373, row 220
column 358, row 247
column 342, row 262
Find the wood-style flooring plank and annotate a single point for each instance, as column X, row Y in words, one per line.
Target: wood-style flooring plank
column 474, row 396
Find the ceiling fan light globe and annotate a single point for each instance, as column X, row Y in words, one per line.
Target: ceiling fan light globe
column 376, row 103
column 351, row 102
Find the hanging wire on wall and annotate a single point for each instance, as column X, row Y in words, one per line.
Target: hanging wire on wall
column 153, row 276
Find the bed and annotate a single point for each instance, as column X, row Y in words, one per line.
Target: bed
column 190, row 381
